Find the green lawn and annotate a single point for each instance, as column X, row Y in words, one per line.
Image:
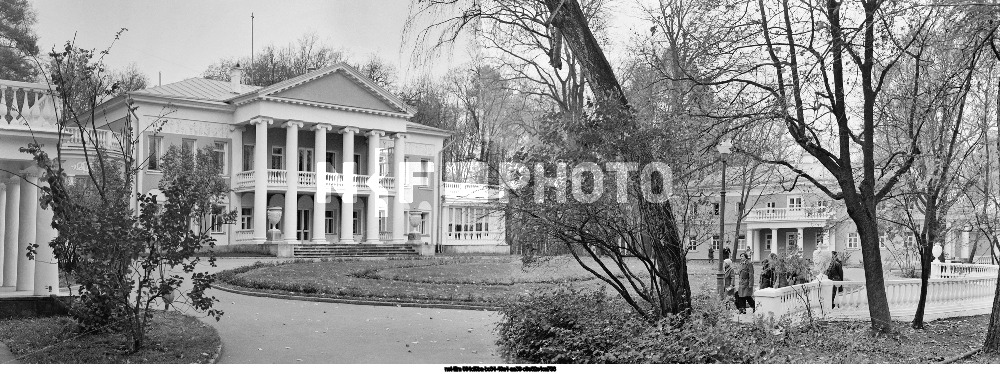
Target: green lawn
column 174, row 338
column 457, row 280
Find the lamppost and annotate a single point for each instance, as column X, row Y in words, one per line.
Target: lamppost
column 723, row 148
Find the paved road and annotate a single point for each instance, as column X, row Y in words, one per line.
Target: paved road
column 266, row 330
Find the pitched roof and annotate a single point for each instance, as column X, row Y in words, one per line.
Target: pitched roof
column 197, row 89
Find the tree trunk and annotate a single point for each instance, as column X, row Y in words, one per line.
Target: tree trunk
column 878, row 304
column 926, row 256
column 992, row 343
column 660, row 225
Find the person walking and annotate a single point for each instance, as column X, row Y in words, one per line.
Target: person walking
column 744, row 294
column 835, row 272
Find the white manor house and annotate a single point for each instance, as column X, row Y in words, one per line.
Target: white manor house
column 281, row 146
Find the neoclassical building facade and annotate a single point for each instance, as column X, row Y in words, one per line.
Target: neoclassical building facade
column 323, row 159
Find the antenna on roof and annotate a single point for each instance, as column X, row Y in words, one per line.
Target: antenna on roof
column 160, row 81
column 251, row 43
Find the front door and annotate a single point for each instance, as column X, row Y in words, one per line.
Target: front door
column 304, row 223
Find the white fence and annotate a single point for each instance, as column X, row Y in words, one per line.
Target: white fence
column 957, row 290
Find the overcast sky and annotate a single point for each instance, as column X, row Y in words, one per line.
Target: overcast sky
column 180, row 38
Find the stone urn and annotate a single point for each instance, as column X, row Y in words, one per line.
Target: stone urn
column 273, row 217
column 414, row 231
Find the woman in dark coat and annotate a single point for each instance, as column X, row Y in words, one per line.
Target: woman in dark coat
column 744, row 292
column 767, row 271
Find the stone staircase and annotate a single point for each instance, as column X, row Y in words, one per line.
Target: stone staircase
column 354, row 250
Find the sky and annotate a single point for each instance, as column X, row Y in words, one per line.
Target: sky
column 178, row 39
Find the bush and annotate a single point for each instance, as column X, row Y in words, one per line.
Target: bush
column 566, row 326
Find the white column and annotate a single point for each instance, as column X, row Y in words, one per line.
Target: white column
column 236, row 166
column 398, row 207
column 752, row 244
column 800, row 240
column 965, row 243
column 347, row 200
column 371, row 230
column 260, row 179
column 11, row 224
column 3, row 221
column 292, row 193
column 831, row 239
column 322, row 191
column 26, row 232
column 46, row 280
column 774, row 241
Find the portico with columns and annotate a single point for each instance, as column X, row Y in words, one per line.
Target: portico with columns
column 23, row 221
column 331, row 153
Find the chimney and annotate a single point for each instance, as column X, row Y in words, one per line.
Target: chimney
column 236, row 79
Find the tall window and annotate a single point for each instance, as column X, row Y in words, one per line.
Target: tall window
column 357, row 224
column 767, row 240
column 425, row 170
column 385, row 162
column 246, row 218
column 911, row 241
column 247, row 157
column 277, row 157
column 383, row 221
column 330, row 221
column 357, row 164
column 218, row 211
column 331, row 162
column 791, row 240
column 305, row 159
column 423, row 223
column 853, row 241
column 219, row 153
column 191, row 145
column 741, row 243
column 716, row 244
column 819, row 238
column 154, row 153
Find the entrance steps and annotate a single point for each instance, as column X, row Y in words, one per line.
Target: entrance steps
column 353, row 250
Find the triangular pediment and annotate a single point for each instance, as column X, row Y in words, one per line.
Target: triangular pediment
column 340, row 88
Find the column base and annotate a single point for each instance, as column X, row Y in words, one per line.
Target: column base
column 347, row 241
column 373, row 241
column 292, row 241
column 319, row 241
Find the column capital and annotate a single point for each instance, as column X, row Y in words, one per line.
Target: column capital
column 266, row 121
column 349, row 129
column 13, row 179
column 297, row 124
column 322, row 126
column 375, row 133
column 399, row 135
column 32, row 172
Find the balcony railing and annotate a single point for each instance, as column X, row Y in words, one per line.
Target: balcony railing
column 30, row 103
column 789, row 214
column 307, row 179
column 471, row 191
column 102, row 138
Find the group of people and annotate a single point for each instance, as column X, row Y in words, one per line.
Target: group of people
column 739, row 279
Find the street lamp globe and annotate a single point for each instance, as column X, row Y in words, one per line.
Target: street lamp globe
column 725, row 147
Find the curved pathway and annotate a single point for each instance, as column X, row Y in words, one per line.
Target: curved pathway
column 266, row 330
